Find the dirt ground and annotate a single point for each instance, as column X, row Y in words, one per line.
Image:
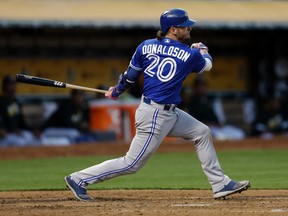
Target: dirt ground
column 141, row 202
column 144, row 202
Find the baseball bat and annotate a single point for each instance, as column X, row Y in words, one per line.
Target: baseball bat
column 53, row 83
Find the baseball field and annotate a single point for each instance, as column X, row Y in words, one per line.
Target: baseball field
column 171, row 183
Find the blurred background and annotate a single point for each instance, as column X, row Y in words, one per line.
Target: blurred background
column 90, row 42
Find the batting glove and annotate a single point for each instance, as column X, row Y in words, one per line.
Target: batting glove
column 199, row 46
column 113, row 93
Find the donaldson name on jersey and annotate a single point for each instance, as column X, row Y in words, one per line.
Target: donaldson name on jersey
column 166, row 50
column 165, row 65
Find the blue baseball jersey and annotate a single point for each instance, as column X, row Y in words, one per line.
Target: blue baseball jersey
column 165, row 65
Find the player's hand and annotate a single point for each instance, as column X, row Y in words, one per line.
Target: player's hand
column 199, row 46
column 112, row 93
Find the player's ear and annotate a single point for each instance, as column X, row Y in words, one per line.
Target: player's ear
column 171, row 30
column 174, row 31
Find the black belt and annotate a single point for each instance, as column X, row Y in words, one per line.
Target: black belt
column 166, row 107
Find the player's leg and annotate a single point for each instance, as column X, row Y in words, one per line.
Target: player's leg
column 152, row 126
column 189, row 128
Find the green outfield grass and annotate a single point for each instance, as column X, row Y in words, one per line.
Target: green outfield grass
column 266, row 169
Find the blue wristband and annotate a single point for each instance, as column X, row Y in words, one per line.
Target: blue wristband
column 116, row 93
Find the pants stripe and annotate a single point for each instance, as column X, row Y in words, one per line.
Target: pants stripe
column 135, row 161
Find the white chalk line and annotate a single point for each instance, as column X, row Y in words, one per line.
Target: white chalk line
column 245, row 197
column 230, row 210
column 262, row 199
column 192, row 205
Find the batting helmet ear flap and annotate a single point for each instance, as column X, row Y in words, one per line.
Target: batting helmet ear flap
column 175, row 17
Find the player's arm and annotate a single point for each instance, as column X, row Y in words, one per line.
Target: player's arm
column 207, row 58
column 126, row 80
column 129, row 78
column 205, row 54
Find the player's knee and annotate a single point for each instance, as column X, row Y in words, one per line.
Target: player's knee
column 133, row 170
column 204, row 131
column 133, row 167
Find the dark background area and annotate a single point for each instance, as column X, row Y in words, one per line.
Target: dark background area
column 259, row 46
column 252, row 44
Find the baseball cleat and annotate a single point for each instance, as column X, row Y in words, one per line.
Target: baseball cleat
column 231, row 188
column 79, row 192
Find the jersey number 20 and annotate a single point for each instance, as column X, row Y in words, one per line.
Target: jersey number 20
column 165, row 68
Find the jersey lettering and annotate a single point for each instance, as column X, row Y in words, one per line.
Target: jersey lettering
column 155, row 61
column 164, row 50
column 161, row 67
column 165, row 65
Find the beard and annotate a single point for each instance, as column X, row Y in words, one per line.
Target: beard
column 185, row 40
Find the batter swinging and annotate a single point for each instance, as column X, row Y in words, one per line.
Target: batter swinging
column 165, row 62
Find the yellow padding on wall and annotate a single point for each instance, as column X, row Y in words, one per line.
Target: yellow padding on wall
column 86, row 72
column 227, row 74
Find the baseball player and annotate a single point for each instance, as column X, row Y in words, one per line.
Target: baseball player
column 164, row 62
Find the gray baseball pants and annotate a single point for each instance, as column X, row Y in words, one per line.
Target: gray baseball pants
column 153, row 124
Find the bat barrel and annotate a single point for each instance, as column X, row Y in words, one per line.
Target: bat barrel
column 39, row 81
column 53, row 83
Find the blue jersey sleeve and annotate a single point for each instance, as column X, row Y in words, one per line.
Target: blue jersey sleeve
column 136, row 60
column 198, row 62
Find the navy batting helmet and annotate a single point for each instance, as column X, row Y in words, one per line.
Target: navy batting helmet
column 175, row 17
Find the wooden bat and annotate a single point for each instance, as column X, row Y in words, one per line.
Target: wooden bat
column 53, row 83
